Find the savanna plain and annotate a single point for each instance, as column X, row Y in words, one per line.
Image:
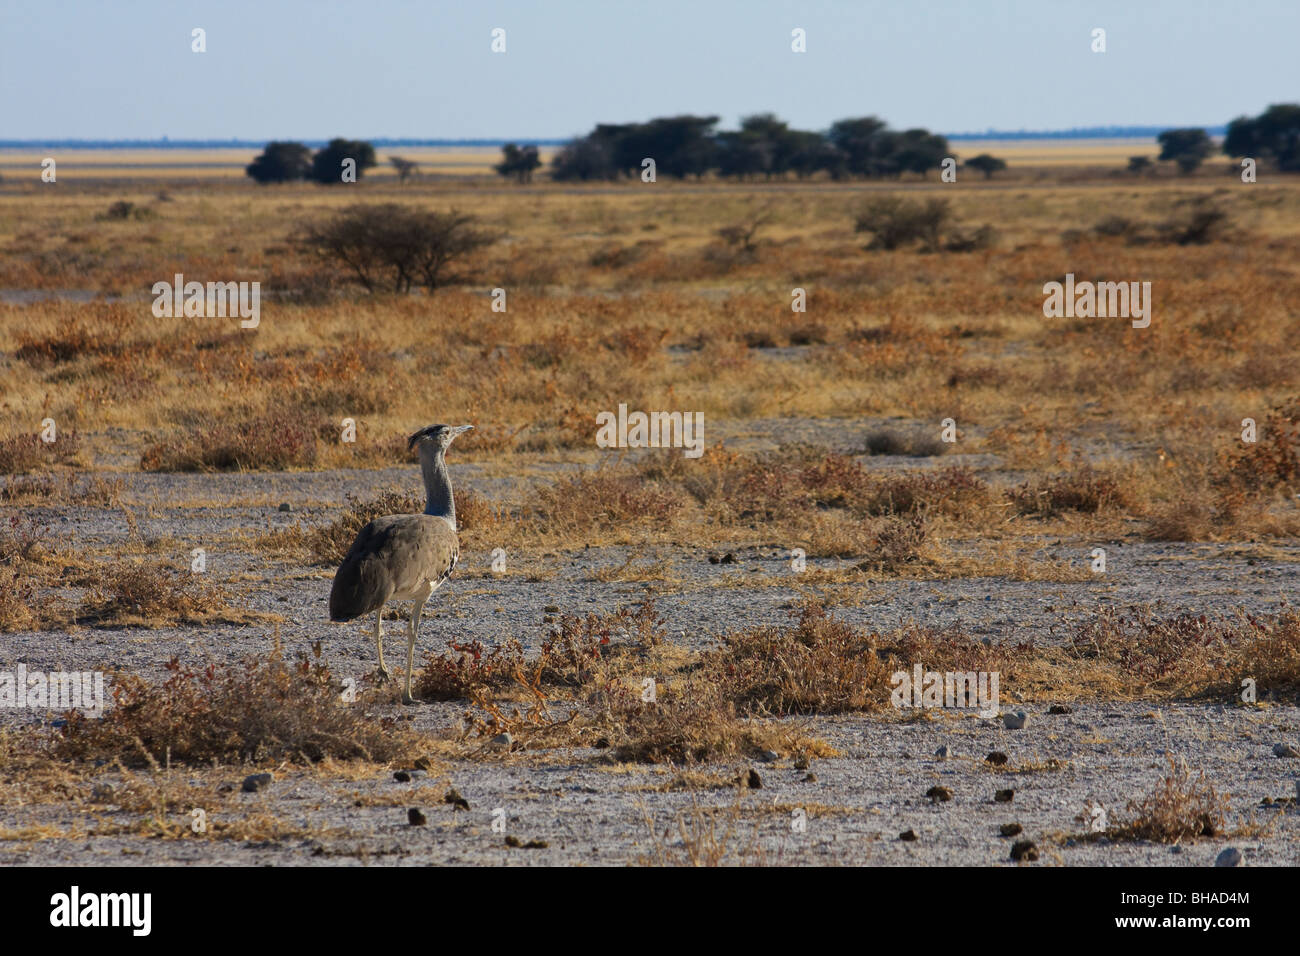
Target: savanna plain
column 645, row 657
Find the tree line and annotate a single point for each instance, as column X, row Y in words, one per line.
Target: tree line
column 765, row 147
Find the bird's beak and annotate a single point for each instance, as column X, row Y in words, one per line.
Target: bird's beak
column 456, row 432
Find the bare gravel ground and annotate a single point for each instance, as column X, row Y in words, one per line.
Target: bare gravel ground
column 588, row 811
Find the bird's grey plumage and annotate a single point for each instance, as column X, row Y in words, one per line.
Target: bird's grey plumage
column 392, row 558
column 403, row 557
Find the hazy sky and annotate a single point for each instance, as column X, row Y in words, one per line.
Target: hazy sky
column 310, row 69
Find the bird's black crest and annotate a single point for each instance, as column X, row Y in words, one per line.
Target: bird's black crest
column 422, row 433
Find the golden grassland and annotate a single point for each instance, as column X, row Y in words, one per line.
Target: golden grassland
column 627, row 294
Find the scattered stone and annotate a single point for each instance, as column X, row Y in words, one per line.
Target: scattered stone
column 753, row 780
column 1011, row 829
column 285, row 506
column 1060, row 709
column 536, row 845
column 552, row 609
column 810, row 777
column 102, row 793
column 943, row 753
column 1229, row 857
column 600, row 743
column 424, row 763
column 503, row 742
column 456, row 800
column 256, row 781
column 415, row 816
column 1015, row 721
column 402, row 776
column 1004, row 796
column 728, row 558
column 1285, row 750
column 939, row 794
column 513, row 841
column 769, row 756
column 907, row 836
column 997, row 758
column 1024, row 850
column 801, row 762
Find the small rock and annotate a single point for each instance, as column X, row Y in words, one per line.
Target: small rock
column 402, row 776
column 1024, row 850
column 455, row 799
column 1229, row 857
column 513, row 841
column 1015, row 721
column 769, row 756
column 939, row 794
column 415, row 816
column 1011, row 829
column 552, row 609
column 1060, row 709
column 285, row 506
column 424, row 763
column 503, row 742
column 256, row 781
column 1285, row 750
column 536, row 845
column 801, row 762
column 810, row 777
column 728, row 558
column 713, row 559
column 753, row 780
column 943, row 753
column 907, row 835
column 1004, row 796
column 102, row 793
column 997, row 758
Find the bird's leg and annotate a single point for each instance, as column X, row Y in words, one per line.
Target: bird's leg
column 412, row 633
column 383, row 673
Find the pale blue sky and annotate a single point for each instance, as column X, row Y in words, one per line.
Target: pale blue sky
column 119, row 69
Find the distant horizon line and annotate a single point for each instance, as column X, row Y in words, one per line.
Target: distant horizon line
column 164, row 142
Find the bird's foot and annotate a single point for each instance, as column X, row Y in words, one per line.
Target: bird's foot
column 383, row 675
column 408, row 700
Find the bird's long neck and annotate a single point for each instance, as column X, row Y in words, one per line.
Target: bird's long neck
column 437, row 485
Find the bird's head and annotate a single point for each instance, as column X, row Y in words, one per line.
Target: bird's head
column 437, row 437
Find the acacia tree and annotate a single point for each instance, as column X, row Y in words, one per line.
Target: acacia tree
column 986, row 164
column 1186, row 147
column 406, row 168
column 1274, row 134
column 393, row 245
column 518, row 162
column 327, row 164
column 280, row 162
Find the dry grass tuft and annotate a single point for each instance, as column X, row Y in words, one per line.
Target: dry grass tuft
column 268, row 443
column 1182, row 807
column 1086, row 490
column 20, row 454
column 258, row 711
column 705, row 836
column 151, row 595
